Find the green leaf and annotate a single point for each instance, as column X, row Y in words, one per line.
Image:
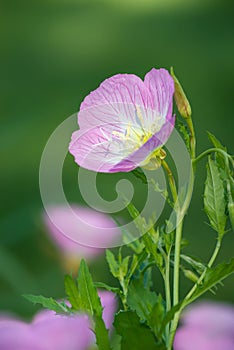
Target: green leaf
column 156, row 317
column 140, row 175
column 72, row 292
column 91, row 303
column 135, row 244
column 112, row 262
column 184, row 131
column 195, row 263
column 214, row 198
column 89, row 298
column 135, row 335
column 148, row 306
column 218, row 157
column 124, row 266
column 102, row 339
column 48, row 303
column 141, row 300
column 169, row 316
column 215, row 141
column 107, row 287
column 213, row 277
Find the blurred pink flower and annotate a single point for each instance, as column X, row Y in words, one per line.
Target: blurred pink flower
column 87, row 227
column 124, row 122
column 206, row 326
column 49, row 331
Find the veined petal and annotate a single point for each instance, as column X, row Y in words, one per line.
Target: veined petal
column 123, row 121
column 161, row 87
column 97, row 149
column 121, row 88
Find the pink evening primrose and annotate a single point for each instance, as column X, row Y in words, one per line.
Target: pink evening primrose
column 124, row 123
column 48, row 331
column 206, row 326
column 89, row 228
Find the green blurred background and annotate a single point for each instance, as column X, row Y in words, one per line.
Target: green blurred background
column 53, row 53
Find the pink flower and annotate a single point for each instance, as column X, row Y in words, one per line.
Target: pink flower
column 50, row 331
column 90, row 231
column 206, row 326
column 124, row 123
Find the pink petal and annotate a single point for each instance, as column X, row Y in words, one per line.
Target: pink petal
column 187, row 338
column 109, row 303
column 118, row 116
column 161, row 86
column 81, row 231
column 210, row 316
column 17, row 335
column 62, row 332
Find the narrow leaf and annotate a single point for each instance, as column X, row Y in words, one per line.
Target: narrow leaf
column 102, row 339
column 72, row 292
column 112, row 262
column 48, row 303
column 214, row 198
column 90, row 300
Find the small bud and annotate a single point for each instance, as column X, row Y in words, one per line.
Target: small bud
column 230, row 205
column 190, row 275
column 180, row 98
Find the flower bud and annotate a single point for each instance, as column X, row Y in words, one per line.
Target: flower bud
column 230, row 205
column 190, row 275
column 181, row 100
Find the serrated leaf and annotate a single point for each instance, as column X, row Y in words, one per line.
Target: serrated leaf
column 102, row 339
column 134, row 334
column 156, row 317
column 112, row 262
column 72, row 292
column 185, row 132
column 219, row 158
column 90, row 301
column 48, row 303
column 148, row 306
column 124, row 266
column 214, row 198
column 213, row 277
column 141, row 300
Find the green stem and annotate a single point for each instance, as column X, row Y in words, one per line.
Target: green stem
column 190, row 293
column 176, row 283
column 209, row 265
column 211, row 150
column 167, row 292
column 177, row 263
